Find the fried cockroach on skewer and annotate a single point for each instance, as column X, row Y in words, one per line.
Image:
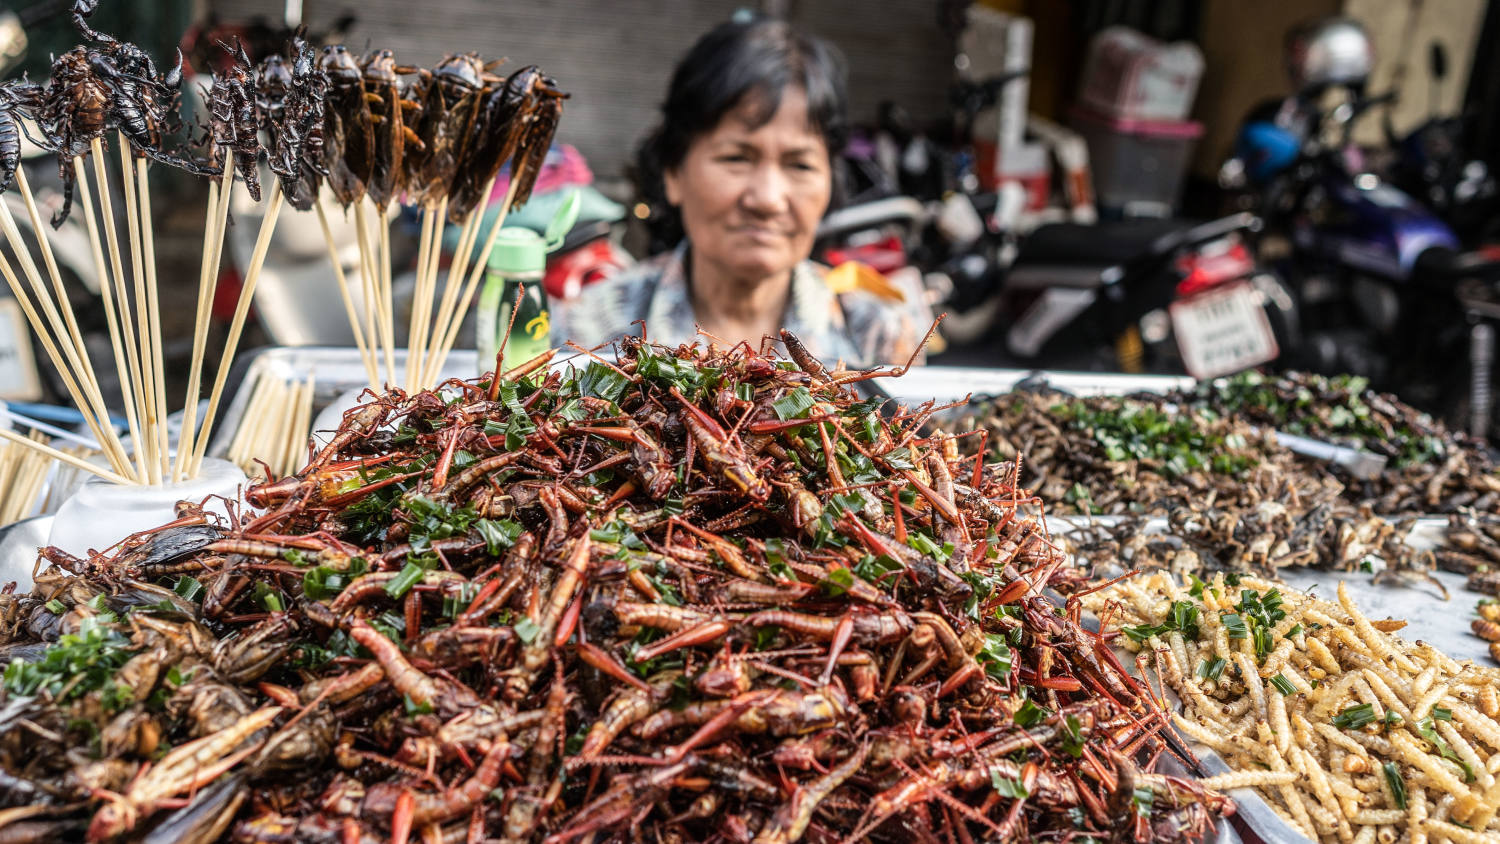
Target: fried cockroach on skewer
column 390, row 109
column 538, row 111
column 348, row 133
column 451, row 97
column 515, row 123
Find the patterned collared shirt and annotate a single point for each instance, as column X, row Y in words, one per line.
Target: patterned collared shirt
column 856, row 328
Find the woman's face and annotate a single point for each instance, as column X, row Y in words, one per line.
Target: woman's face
column 751, row 197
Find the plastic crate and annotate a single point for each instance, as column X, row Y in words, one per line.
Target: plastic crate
column 1133, row 77
column 1138, row 165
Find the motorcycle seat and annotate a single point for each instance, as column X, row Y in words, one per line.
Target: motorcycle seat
column 1103, row 244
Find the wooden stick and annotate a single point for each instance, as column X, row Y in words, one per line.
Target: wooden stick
column 301, row 420
column 98, row 421
column 214, row 222
column 450, row 336
column 237, row 325
column 69, row 459
column 153, row 298
column 375, row 318
column 365, row 354
column 418, row 346
column 74, row 370
column 466, row 239
column 387, row 304
column 414, row 317
column 130, row 379
column 150, row 422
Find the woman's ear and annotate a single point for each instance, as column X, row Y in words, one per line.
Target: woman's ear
column 673, row 187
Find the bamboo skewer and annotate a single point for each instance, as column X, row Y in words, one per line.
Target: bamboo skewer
column 71, row 361
column 10, row 276
column 366, row 355
column 130, row 373
column 466, row 239
column 153, row 298
column 96, row 413
column 122, row 370
column 465, row 299
column 63, row 456
column 387, row 304
column 215, row 217
column 422, row 300
column 146, row 397
column 414, row 318
column 375, row 314
column 237, row 324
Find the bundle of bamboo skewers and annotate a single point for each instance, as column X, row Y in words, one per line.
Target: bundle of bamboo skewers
column 376, row 132
column 24, row 475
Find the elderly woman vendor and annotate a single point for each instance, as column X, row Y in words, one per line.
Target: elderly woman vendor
column 750, row 126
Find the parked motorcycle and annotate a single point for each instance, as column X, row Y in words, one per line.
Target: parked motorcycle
column 1147, row 296
column 1385, row 289
column 1434, row 166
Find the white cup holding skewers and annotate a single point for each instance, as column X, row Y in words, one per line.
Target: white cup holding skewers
column 102, row 513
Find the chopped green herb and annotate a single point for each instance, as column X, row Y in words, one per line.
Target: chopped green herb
column 1210, row 670
column 1141, row 799
column 410, row 575
column 838, row 581
column 1072, row 737
column 794, row 405
column 1007, row 787
column 995, row 656
column 56, row 607
column 497, row 534
column 1030, row 714
column 1398, row 786
column 188, row 588
column 527, row 630
column 1283, row 685
column 1355, row 717
column 1234, row 625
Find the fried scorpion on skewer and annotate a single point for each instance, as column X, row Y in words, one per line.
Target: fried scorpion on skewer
column 290, row 107
column 233, row 123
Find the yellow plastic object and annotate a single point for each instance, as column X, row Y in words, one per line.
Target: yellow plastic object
column 852, row 275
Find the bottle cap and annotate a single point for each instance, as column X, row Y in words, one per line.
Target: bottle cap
column 520, row 250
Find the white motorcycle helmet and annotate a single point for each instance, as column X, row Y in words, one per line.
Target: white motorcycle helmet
column 1335, row 51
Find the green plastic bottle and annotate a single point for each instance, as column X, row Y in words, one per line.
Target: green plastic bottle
column 516, row 265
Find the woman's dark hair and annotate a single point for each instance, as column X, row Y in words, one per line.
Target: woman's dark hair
column 737, row 60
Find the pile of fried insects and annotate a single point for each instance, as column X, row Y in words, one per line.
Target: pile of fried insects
column 691, row 595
